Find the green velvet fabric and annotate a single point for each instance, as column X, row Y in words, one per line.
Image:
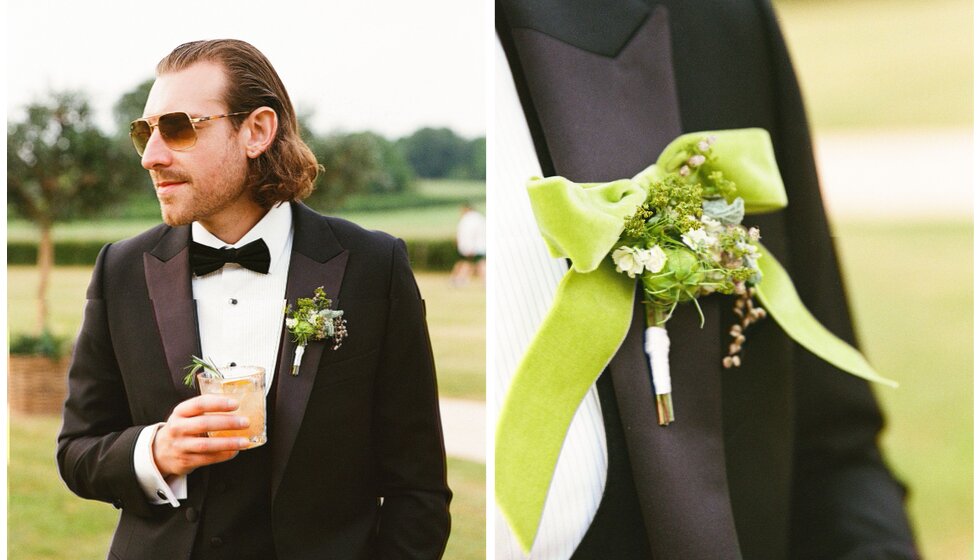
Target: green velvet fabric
column 593, row 306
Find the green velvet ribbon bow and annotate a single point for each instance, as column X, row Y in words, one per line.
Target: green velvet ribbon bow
column 583, row 223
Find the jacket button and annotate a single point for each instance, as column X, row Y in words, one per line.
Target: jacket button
column 216, row 542
column 191, row 514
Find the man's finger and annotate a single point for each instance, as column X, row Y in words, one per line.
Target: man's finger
column 205, row 403
column 209, row 445
column 199, row 425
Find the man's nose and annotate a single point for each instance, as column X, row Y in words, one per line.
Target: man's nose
column 156, row 154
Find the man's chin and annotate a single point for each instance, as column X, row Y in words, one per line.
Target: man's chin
column 172, row 217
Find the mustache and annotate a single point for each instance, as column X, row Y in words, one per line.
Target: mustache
column 169, row 177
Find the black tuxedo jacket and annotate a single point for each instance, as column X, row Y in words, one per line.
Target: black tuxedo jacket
column 778, row 458
column 358, row 425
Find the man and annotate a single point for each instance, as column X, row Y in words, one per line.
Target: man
column 775, row 459
column 471, row 243
column 354, row 466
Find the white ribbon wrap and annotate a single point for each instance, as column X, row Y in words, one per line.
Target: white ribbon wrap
column 298, row 358
column 657, row 345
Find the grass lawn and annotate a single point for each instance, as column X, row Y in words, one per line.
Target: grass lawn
column 911, row 292
column 47, row 522
column 456, row 320
column 882, row 63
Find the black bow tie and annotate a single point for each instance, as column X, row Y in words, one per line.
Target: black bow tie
column 253, row 256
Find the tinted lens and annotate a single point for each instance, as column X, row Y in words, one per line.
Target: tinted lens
column 140, row 132
column 177, row 131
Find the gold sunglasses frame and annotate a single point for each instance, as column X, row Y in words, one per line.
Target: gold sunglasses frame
column 193, row 121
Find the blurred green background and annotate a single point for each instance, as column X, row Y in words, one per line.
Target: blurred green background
column 896, row 76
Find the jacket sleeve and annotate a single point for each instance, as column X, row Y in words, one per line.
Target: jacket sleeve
column 846, row 503
column 97, row 439
column 410, row 455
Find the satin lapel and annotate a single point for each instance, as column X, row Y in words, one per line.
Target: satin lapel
column 317, row 260
column 679, row 470
column 605, row 118
column 168, row 279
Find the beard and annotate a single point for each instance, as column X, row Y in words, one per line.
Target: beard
column 200, row 199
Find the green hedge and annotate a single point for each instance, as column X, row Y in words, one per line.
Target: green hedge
column 424, row 254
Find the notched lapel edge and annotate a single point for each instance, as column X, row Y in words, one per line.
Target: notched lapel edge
column 168, row 281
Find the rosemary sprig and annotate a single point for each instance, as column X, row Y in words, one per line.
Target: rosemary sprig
column 198, row 364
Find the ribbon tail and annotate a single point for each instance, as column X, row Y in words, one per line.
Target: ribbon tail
column 583, row 330
column 778, row 295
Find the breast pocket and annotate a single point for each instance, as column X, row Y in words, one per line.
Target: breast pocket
column 358, row 353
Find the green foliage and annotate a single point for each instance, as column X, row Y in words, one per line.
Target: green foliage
column 352, row 163
column 425, row 254
column 129, row 107
column 60, row 166
column 65, row 252
column 440, row 152
column 47, row 345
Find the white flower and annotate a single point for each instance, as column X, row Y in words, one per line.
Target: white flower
column 754, row 233
column 653, row 259
column 291, row 323
column 711, row 225
column 704, row 145
column 633, row 261
column 695, row 160
column 628, row 260
column 684, row 171
column 696, row 239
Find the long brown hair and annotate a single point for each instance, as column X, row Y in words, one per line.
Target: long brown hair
column 287, row 169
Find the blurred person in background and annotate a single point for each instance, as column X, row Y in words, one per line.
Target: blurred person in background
column 471, row 243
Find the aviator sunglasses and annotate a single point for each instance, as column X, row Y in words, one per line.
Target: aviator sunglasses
column 176, row 129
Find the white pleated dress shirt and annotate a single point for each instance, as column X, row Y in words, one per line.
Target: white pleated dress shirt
column 240, row 319
column 523, row 278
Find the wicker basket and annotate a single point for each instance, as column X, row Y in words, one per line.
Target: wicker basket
column 37, row 385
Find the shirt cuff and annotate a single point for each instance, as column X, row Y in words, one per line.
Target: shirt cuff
column 157, row 490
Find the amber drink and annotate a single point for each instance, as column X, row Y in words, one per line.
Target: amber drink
column 246, row 384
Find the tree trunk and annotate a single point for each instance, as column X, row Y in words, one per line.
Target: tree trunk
column 45, row 262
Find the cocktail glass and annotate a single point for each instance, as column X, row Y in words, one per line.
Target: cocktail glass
column 246, row 384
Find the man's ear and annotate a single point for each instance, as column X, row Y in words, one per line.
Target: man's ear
column 260, row 130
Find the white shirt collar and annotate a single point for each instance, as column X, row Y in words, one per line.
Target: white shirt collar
column 274, row 228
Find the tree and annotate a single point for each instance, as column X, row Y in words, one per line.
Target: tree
column 350, row 163
column 60, row 167
column 142, row 200
column 434, row 152
column 476, row 162
column 395, row 174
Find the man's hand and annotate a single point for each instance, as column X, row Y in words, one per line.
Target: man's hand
column 182, row 444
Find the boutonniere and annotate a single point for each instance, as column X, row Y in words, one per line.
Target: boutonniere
column 676, row 228
column 314, row 320
column 686, row 240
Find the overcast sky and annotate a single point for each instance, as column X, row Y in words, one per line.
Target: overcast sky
column 388, row 66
